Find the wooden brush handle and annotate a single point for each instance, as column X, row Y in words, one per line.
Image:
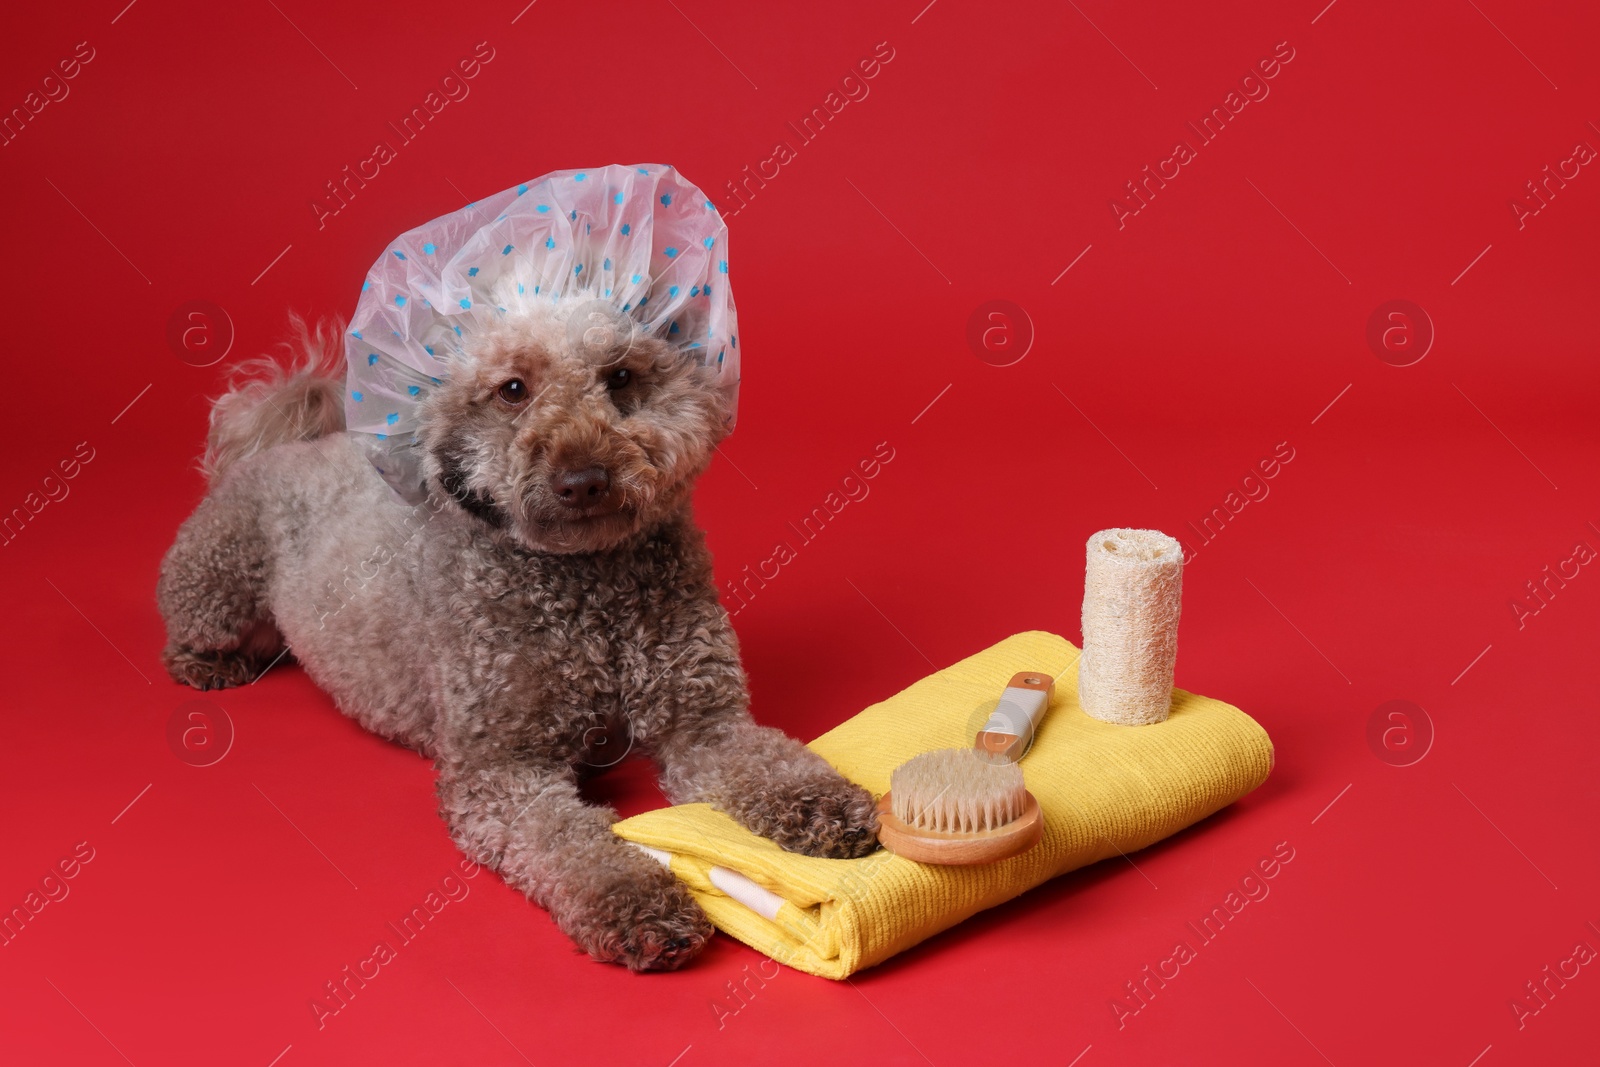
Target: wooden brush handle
column 1010, row 728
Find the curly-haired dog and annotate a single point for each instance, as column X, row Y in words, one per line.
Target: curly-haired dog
column 551, row 593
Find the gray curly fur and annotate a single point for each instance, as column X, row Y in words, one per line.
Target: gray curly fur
column 267, row 402
column 517, row 641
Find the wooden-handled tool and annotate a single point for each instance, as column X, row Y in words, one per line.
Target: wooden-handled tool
column 964, row 806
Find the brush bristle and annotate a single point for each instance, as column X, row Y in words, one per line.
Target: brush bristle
column 956, row 790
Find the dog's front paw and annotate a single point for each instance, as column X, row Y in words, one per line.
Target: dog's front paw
column 209, row 670
column 646, row 923
column 825, row 816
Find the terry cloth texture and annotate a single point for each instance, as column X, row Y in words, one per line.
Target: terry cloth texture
column 1103, row 789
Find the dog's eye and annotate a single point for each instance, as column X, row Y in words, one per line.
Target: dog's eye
column 514, row 391
column 619, row 379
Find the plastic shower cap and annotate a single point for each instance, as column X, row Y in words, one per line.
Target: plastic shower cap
column 639, row 238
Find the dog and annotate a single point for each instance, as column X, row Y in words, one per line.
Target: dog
column 551, row 595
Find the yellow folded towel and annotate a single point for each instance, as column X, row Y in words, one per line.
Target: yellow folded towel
column 1103, row 789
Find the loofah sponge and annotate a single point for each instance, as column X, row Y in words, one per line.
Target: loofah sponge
column 1132, row 597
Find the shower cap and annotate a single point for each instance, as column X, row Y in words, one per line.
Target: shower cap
column 641, row 239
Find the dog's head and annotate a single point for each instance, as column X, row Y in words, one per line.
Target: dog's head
column 570, row 429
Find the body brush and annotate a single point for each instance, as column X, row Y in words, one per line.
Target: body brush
column 958, row 806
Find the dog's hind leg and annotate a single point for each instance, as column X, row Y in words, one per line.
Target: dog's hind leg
column 212, row 594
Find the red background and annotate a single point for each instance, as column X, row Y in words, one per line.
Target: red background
column 1224, row 318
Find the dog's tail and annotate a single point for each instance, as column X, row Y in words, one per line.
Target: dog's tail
column 269, row 403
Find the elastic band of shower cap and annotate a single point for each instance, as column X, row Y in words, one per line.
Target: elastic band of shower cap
column 641, row 239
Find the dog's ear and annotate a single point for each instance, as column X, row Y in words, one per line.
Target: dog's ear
column 450, row 461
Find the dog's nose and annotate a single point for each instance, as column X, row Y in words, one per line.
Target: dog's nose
column 580, row 489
